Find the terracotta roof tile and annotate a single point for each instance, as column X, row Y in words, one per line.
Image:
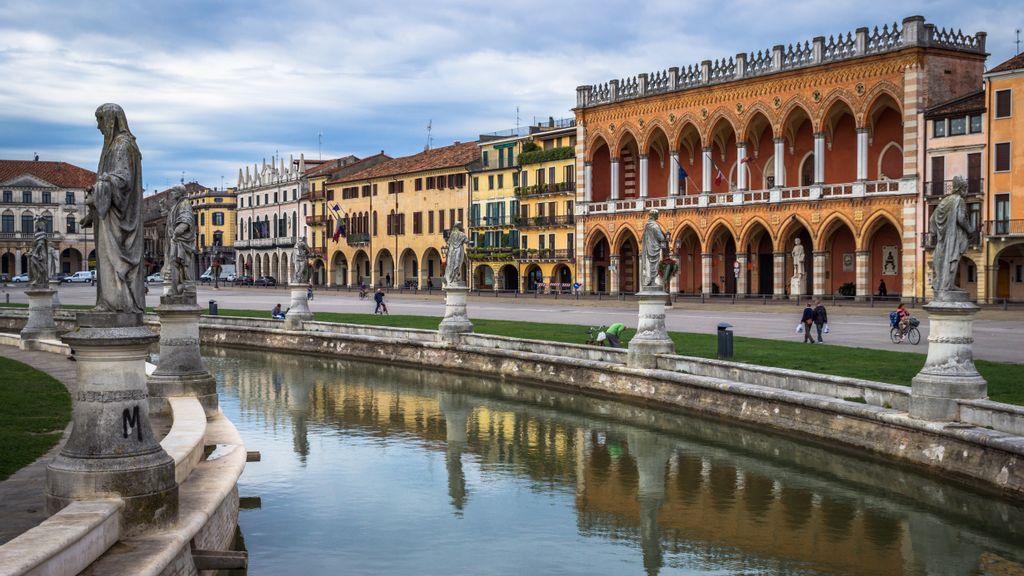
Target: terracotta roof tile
column 453, row 156
column 60, row 174
column 328, row 166
column 974, row 102
column 1015, row 63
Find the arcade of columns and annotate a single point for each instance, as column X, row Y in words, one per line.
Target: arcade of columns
column 826, row 154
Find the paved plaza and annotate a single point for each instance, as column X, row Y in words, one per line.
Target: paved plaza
column 856, row 325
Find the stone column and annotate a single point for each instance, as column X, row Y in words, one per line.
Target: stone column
column 40, row 325
column 862, row 154
column 112, row 450
column 615, row 179
column 820, row 260
column 779, row 275
column 706, row 270
column 861, row 275
column 587, row 274
column 55, row 287
column 673, row 173
column 643, row 176
column 299, row 311
column 181, row 371
column 741, row 279
column 455, row 321
column 588, row 182
column 706, row 161
column 651, row 335
column 741, row 167
column 613, row 275
column 949, row 373
column 780, row 162
column 819, row 158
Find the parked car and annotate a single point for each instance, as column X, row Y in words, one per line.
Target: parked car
column 5, row 277
column 243, row 280
column 82, row 276
column 231, row 278
column 60, row 277
column 20, row 278
column 266, row 281
column 157, row 278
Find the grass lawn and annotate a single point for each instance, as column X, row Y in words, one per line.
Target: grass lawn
column 869, row 364
column 34, row 409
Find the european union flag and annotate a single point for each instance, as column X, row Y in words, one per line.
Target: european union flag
column 682, row 173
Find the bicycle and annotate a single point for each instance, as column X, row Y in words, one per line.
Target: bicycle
column 596, row 336
column 912, row 334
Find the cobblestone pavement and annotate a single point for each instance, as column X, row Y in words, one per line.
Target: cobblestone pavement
column 852, row 324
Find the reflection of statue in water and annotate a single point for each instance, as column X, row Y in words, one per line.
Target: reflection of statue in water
column 181, row 244
column 654, row 240
column 456, row 256
column 114, row 210
column 39, row 257
column 798, row 259
column 952, row 231
column 300, row 259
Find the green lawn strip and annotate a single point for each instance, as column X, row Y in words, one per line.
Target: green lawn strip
column 34, row 409
column 865, row 363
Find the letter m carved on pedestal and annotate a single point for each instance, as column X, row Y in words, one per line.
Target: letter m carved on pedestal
column 131, row 420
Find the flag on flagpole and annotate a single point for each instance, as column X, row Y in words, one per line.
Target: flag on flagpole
column 340, row 230
column 718, row 176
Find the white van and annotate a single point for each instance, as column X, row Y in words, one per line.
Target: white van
column 82, row 276
column 226, row 270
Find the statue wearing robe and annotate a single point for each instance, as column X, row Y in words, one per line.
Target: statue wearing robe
column 952, row 229
column 54, row 262
column 39, row 257
column 654, row 240
column 300, row 259
column 798, row 259
column 181, row 244
column 456, row 256
column 114, row 210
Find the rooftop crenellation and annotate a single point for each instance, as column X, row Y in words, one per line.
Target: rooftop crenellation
column 914, row 32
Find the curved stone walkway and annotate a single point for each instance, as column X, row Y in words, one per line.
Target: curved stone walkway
column 22, row 501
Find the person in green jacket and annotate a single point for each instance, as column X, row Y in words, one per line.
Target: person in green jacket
column 614, row 334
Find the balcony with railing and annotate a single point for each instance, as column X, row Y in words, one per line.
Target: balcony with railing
column 546, row 221
column 357, row 239
column 1004, row 228
column 285, row 241
column 492, row 222
column 546, row 189
column 318, row 220
column 28, row 236
column 493, row 253
column 928, row 240
column 939, row 188
column 545, row 254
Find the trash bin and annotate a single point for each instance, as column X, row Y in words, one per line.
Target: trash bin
column 213, row 307
column 724, row 341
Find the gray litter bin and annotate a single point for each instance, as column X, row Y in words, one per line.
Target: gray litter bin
column 213, row 307
column 725, row 341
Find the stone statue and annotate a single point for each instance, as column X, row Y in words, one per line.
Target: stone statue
column 39, row 257
column 114, row 210
column 457, row 241
column 798, row 259
column 654, row 240
column 300, row 259
column 180, row 250
column 54, row 262
column 952, row 229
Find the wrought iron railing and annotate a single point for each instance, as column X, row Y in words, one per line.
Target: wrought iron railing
column 938, row 188
column 1005, row 227
column 546, row 221
column 357, row 239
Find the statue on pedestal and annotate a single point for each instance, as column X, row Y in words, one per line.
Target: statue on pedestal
column 39, row 257
column 456, row 256
column 180, row 250
column 952, row 229
column 798, row 259
column 300, row 259
column 114, row 209
column 654, row 241
column 54, row 262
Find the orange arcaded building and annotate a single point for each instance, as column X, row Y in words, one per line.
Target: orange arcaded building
column 742, row 156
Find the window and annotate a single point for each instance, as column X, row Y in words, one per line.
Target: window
column 275, row 197
column 485, row 158
column 1002, row 214
column 543, row 243
column 202, row 218
column 374, row 189
column 940, row 128
column 26, row 197
column 69, row 197
column 70, row 224
column 430, row 222
column 976, row 124
column 501, row 180
column 476, row 183
column 47, row 197
column 202, row 240
column 490, row 182
column 501, row 158
column 460, row 215
column 551, row 175
column 48, row 223
column 509, row 152
column 430, row 183
column 417, row 222
column 419, row 184
column 1002, row 157
column 26, row 223
column 7, row 223
column 570, row 174
column 1004, row 103
column 515, row 179
column 525, row 179
column 218, row 219
column 218, row 238
column 957, row 126
column 8, row 196
column 440, row 220
column 540, row 177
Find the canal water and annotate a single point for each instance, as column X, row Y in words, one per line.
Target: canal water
column 373, row 469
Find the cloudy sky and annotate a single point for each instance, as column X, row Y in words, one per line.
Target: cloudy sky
column 212, row 86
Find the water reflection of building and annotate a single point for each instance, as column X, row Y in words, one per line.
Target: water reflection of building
column 703, row 495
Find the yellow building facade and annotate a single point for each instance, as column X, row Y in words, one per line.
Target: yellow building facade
column 215, row 214
column 394, row 216
column 1004, row 205
column 493, row 212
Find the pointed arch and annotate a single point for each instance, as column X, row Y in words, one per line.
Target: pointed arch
column 872, row 223
column 594, row 143
column 716, row 229
column 878, row 94
column 595, row 235
column 794, row 113
column 625, row 233
column 747, row 232
column 651, row 131
column 625, row 134
column 791, row 227
column 711, row 125
column 837, row 97
column 757, row 110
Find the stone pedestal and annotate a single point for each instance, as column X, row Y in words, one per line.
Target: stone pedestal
column 796, row 286
column 55, row 287
column 455, row 320
column 40, row 325
column 651, row 336
column 949, row 373
column 298, row 311
column 112, row 450
column 181, row 371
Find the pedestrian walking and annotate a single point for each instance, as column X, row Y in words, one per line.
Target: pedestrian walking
column 882, row 291
column 381, row 308
column 807, row 320
column 309, row 292
column 387, row 280
column 820, row 319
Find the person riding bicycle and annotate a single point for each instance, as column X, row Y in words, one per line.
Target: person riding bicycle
column 614, row 334
column 362, row 291
column 902, row 320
